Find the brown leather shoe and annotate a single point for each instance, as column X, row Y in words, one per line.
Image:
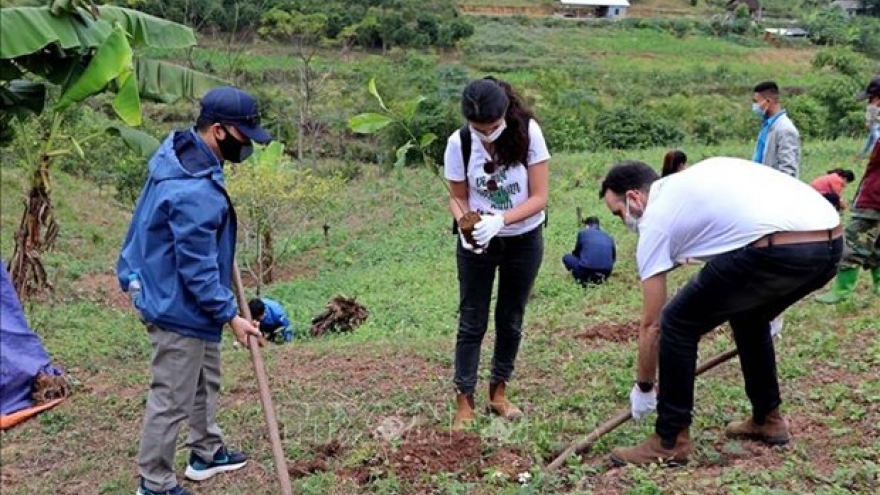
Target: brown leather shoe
column 774, row 431
column 464, row 411
column 498, row 403
column 651, row 451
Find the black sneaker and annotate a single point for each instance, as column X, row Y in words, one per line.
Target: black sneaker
column 224, row 461
column 177, row 490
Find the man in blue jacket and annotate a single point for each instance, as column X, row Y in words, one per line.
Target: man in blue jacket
column 272, row 319
column 594, row 254
column 176, row 263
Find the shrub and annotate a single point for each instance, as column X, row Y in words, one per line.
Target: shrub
column 628, row 128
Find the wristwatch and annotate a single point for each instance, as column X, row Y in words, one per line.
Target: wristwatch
column 645, row 387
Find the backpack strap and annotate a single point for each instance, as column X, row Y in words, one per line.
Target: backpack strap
column 464, row 135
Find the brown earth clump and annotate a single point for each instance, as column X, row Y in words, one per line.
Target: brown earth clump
column 48, row 388
column 466, row 224
column 343, row 314
column 612, row 332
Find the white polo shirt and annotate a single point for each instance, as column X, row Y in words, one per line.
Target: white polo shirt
column 502, row 190
column 722, row 204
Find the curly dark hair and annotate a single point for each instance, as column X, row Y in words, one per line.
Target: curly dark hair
column 486, row 100
column 628, row 175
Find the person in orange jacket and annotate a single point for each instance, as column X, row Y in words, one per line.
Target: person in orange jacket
column 831, row 186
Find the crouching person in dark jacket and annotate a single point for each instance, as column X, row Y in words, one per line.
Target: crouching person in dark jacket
column 592, row 260
column 176, row 264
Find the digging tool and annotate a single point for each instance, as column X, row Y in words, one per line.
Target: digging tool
column 624, row 415
column 263, row 384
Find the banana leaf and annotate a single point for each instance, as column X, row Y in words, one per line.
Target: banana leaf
column 147, row 30
column 138, row 141
column 111, row 62
column 25, row 30
column 166, row 83
column 22, row 98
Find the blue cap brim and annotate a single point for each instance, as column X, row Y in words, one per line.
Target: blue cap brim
column 254, row 132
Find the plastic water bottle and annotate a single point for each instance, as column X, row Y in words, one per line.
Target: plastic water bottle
column 134, row 288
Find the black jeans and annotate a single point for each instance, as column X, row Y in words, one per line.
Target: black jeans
column 517, row 260
column 747, row 287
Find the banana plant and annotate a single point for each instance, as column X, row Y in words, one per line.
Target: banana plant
column 76, row 49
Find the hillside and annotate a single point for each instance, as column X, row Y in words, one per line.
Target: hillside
column 365, row 413
column 392, row 250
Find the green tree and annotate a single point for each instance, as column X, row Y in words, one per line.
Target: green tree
column 274, row 199
column 63, row 53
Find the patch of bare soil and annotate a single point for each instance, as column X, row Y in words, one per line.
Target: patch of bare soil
column 303, row 266
column 611, row 332
column 422, row 451
column 101, row 288
column 324, row 454
column 367, row 372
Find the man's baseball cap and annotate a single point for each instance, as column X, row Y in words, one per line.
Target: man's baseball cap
column 873, row 89
column 232, row 106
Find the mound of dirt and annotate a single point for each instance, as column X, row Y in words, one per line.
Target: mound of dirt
column 324, row 453
column 625, row 332
column 421, row 452
column 430, row 451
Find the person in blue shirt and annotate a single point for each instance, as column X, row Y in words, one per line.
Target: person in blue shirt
column 592, row 260
column 176, row 265
column 272, row 318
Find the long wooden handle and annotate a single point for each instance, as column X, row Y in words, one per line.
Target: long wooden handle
column 263, row 384
column 624, row 415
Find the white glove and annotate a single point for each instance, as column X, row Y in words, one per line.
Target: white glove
column 465, row 244
column 776, row 326
column 642, row 403
column 487, row 228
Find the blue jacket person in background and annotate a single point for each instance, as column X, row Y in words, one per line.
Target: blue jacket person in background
column 176, row 265
column 592, row 260
column 272, row 318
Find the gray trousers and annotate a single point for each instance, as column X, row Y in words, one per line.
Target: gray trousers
column 185, row 385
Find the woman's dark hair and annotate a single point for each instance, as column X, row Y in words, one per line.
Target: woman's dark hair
column 673, row 162
column 486, row 100
column 847, row 175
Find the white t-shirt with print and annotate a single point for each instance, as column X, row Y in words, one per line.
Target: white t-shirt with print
column 720, row 205
column 506, row 188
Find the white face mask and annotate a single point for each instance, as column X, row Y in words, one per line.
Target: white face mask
column 491, row 138
column 632, row 223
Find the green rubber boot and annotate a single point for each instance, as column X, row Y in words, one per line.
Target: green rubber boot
column 843, row 287
column 875, row 275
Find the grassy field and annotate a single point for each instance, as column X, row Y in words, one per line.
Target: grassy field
column 343, row 401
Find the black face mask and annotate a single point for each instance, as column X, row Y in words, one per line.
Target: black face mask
column 232, row 149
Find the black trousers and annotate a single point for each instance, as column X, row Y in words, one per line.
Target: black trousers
column 517, row 260
column 747, row 287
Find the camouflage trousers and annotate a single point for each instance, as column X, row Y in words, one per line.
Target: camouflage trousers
column 862, row 240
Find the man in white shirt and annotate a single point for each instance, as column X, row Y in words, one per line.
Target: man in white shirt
column 768, row 239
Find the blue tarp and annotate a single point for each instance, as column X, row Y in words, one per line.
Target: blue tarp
column 22, row 355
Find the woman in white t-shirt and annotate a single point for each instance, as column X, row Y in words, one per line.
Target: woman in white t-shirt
column 506, row 181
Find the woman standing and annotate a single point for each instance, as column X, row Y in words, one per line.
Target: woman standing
column 505, row 180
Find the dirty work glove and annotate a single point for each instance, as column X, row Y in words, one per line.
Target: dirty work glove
column 465, row 244
column 642, row 403
column 776, row 326
column 487, row 228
